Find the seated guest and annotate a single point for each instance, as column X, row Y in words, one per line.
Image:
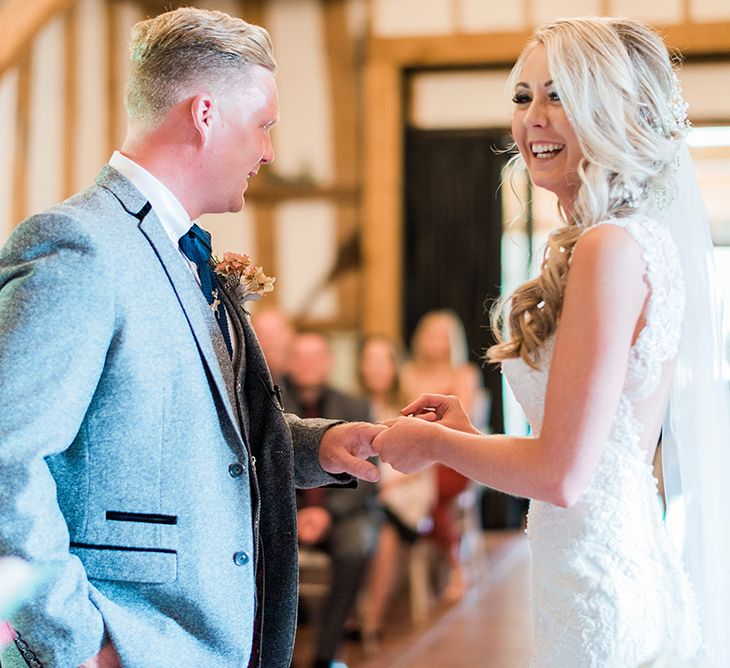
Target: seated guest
column 407, row 499
column 439, row 365
column 342, row 522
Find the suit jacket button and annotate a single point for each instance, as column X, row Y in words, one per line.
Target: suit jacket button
column 240, row 558
column 236, row 470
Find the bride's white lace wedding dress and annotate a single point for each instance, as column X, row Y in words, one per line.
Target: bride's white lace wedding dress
column 609, row 589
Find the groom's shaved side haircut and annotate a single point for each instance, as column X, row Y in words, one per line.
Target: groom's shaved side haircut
column 177, row 50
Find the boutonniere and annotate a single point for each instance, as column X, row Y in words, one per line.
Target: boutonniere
column 247, row 281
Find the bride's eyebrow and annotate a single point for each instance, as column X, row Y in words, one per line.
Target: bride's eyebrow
column 522, row 84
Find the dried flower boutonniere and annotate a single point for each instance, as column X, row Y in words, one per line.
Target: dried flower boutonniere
column 247, row 281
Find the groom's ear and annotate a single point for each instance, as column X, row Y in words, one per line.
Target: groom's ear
column 202, row 110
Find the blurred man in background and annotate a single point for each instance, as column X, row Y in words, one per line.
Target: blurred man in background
column 344, row 523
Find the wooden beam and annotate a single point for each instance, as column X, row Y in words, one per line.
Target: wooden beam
column 687, row 11
column 350, row 294
column 464, row 49
column 383, row 198
column 263, row 192
column 343, row 75
column 253, row 11
column 266, row 245
column 22, row 138
column 502, row 48
column 369, row 13
column 344, row 106
column 20, row 21
column 70, row 105
column 699, row 39
column 113, row 139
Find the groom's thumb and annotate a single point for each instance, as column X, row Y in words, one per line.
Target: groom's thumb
column 361, row 468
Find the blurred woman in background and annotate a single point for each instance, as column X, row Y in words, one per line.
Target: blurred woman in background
column 439, row 365
column 407, row 499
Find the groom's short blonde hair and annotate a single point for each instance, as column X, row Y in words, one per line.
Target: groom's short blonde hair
column 178, row 51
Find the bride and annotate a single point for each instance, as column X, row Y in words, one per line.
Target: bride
column 616, row 327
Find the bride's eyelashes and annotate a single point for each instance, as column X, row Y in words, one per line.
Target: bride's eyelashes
column 553, row 96
column 526, row 98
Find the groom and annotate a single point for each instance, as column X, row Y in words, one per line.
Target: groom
column 145, row 462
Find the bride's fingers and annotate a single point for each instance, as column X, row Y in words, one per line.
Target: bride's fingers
column 427, row 402
column 428, row 416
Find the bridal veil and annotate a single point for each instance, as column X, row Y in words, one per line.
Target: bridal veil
column 696, row 435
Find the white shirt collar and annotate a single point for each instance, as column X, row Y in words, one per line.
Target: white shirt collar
column 175, row 220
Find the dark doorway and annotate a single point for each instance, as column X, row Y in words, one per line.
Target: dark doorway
column 452, row 236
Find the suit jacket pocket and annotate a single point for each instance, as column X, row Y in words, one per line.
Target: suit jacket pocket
column 142, row 518
column 127, row 564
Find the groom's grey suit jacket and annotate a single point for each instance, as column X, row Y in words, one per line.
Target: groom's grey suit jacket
column 138, row 463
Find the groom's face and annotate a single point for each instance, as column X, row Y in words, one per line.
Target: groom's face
column 242, row 140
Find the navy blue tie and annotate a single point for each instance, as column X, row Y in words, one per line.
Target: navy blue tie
column 196, row 247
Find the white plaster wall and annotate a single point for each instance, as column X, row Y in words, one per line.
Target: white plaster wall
column 92, row 101
column 45, row 168
column 404, row 18
column 710, row 10
column 706, row 87
column 8, row 105
column 233, row 232
column 548, row 10
column 659, row 12
column 303, row 139
column 490, row 16
column 306, row 237
column 478, row 99
column 467, row 99
column 713, row 176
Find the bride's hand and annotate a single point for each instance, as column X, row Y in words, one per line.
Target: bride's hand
column 407, row 443
column 446, row 410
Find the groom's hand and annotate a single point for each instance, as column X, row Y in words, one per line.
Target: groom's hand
column 106, row 658
column 346, row 447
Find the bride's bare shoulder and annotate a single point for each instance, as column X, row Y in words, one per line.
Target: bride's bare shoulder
column 608, row 248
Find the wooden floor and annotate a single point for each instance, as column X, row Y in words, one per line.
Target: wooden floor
column 489, row 628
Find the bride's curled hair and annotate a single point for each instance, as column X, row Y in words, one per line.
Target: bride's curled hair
column 620, row 92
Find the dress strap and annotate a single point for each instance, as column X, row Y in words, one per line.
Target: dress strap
column 659, row 340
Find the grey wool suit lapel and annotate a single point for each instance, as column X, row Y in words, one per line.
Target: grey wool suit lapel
column 235, row 311
column 205, row 329
column 238, row 318
column 250, row 358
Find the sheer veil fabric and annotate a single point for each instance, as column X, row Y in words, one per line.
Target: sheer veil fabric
column 696, row 435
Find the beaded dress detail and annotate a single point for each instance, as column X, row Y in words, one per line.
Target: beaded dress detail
column 609, row 588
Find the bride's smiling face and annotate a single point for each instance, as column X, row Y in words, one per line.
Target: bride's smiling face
column 542, row 131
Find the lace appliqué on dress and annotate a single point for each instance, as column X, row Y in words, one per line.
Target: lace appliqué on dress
column 659, row 340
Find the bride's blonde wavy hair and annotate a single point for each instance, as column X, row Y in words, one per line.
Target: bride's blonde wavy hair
column 620, row 92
